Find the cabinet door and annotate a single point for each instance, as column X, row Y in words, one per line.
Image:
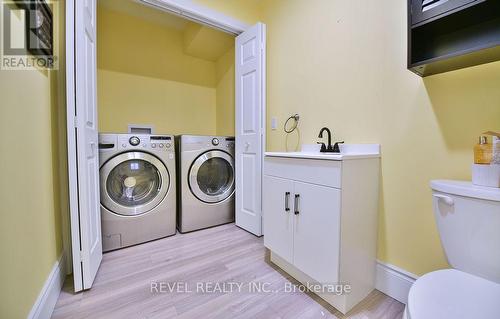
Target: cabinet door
column 317, row 231
column 422, row 10
column 278, row 216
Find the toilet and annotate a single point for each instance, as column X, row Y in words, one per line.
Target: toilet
column 468, row 220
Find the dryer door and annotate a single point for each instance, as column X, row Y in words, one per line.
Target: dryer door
column 211, row 177
column 133, row 183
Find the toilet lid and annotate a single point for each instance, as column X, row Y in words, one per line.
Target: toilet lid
column 467, row 189
column 453, row 294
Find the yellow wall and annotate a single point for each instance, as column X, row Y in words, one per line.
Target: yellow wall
column 145, row 77
column 171, row 107
column 342, row 64
column 33, row 186
column 225, row 94
column 132, row 45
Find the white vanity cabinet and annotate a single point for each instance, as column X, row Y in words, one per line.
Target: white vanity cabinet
column 320, row 219
column 301, row 220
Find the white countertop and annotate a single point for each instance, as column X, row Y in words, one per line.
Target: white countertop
column 347, row 151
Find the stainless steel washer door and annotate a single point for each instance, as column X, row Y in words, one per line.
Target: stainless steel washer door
column 133, row 183
column 211, row 177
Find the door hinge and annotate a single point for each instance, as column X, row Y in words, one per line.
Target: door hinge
column 81, row 255
column 75, row 120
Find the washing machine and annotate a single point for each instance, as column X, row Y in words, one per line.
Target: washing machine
column 206, row 181
column 138, row 188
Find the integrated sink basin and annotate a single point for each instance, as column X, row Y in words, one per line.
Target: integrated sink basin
column 347, row 151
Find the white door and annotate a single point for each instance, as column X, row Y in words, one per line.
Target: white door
column 277, row 202
column 250, row 124
column 86, row 221
column 317, row 231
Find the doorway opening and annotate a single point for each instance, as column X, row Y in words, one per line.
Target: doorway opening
column 129, row 77
column 160, row 69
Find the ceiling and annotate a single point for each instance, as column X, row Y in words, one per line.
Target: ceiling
column 138, row 10
column 199, row 40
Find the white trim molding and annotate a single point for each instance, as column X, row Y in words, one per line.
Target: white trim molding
column 197, row 13
column 46, row 301
column 394, row 281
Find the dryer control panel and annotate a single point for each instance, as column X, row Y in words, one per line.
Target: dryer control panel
column 200, row 143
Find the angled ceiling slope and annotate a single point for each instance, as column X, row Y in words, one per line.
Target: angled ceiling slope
column 206, row 43
column 199, row 40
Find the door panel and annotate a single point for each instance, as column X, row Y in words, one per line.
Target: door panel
column 248, row 183
column 317, row 231
column 250, row 110
column 95, row 232
column 277, row 205
column 90, row 255
column 249, row 106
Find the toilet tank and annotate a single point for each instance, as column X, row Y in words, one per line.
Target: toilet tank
column 468, row 220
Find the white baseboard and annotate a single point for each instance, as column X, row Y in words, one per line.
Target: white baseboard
column 44, row 304
column 394, row 281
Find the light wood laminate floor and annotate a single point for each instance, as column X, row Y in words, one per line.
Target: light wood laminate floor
column 221, row 254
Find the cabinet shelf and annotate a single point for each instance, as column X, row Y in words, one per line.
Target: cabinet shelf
column 464, row 38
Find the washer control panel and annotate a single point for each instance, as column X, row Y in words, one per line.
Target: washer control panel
column 151, row 142
column 134, row 141
column 161, row 142
column 230, row 143
column 161, row 145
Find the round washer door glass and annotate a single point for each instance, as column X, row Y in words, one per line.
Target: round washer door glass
column 133, row 183
column 212, row 176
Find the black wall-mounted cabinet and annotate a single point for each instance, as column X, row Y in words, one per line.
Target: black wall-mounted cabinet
column 445, row 35
column 424, row 10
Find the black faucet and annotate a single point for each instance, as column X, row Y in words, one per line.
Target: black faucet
column 324, row 148
column 328, row 148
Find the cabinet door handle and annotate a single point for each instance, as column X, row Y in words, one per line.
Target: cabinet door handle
column 287, row 201
column 296, row 204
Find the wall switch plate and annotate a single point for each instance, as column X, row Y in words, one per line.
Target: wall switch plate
column 274, row 123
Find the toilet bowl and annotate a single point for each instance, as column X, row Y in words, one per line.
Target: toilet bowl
column 468, row 219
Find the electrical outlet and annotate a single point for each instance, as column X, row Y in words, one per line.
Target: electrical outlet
column 274, row 123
